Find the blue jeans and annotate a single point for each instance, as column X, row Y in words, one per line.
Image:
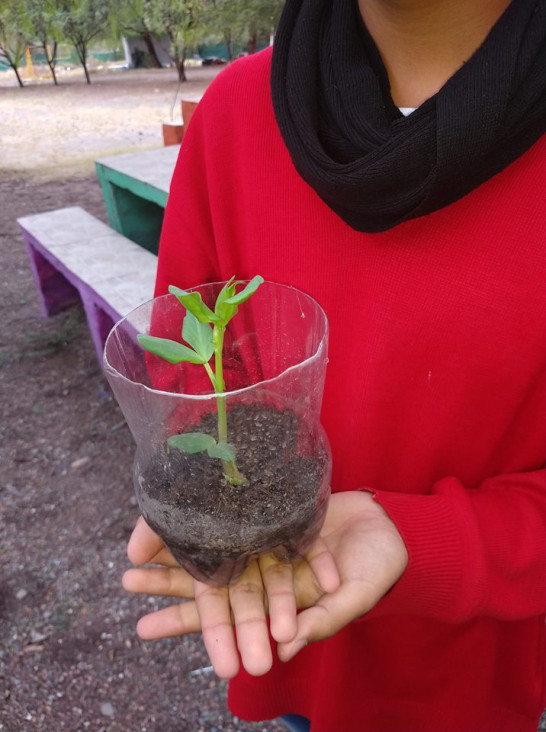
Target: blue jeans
column 295, row 723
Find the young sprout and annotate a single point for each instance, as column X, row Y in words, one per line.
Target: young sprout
column 203, row 330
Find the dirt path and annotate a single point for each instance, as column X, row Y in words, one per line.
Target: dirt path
column 69, row 656
column 47, row 130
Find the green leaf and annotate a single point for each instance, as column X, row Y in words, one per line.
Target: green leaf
column 225, row 312
column 193, row 302
column 171, row 351
column 192, row 442
column 248, row 291
column 199, row 336
column 227, row 290
column 223, row 451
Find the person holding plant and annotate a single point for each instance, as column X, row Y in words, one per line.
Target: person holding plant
column 388, row 159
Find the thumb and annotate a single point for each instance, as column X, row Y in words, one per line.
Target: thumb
column 330, row 614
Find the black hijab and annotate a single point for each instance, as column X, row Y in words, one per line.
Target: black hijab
column 374, row 167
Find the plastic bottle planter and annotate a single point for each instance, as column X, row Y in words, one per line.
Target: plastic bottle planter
column 275, row 355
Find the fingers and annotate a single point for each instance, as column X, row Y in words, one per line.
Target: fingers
column 167, row 582
column 278, row 580
column 232, row 619
column 218, row 636
column 215, row 610
column 170, row 622
column 240, row 606
column 145, row 547
column 330, row 614
column 246, row 598
column 324, row 566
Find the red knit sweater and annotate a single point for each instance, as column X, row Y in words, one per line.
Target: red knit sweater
column 435, row 399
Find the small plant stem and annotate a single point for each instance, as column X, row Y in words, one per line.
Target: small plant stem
column 218, row 341
column 232, row 473
column 211, row 375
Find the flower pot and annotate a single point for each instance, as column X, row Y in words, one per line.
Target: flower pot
column 188, row 105
column 275, row 355
column 173, row 132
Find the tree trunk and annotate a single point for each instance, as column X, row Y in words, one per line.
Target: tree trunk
column 181, row 69
column 252, row 44
column 81, row 50
column 179, row 59
column 14, row 67
column 51, row 59
column 13, row 64
column 150, row 46
column 229, row 44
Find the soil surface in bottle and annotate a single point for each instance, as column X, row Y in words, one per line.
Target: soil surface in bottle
column 213, row 528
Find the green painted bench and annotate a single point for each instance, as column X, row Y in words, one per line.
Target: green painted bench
column 135, row 187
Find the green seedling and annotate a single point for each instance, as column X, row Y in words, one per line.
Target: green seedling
column 203, row 330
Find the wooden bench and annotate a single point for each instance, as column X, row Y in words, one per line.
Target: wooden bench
column 77, row 258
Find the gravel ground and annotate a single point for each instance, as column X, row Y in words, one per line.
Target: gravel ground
column 69, row 655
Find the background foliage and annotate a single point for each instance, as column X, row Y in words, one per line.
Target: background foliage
column 179, row 27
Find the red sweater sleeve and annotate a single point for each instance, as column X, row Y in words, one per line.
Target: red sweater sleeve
column 476, row 552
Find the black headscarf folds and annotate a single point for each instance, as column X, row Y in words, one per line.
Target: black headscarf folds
column 371, row 165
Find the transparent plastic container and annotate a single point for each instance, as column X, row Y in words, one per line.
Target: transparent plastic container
column 275, row 356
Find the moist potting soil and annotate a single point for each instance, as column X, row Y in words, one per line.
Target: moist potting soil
column 213, row 528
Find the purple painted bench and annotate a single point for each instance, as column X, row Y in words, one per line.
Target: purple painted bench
column 77, row 258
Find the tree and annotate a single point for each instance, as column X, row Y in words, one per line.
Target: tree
column 40, row 21
column 81, row 21
column 261, row 18
column 223, row 16
column 129, row 20
column 12, row 36
column 244, row 22
column 177, row 22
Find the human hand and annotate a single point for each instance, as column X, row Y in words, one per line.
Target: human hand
column 357, row 537
column 267, row 587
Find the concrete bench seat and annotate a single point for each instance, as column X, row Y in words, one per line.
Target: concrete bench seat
column 77, row 258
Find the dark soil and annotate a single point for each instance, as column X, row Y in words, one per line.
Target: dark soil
column 214, row 528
